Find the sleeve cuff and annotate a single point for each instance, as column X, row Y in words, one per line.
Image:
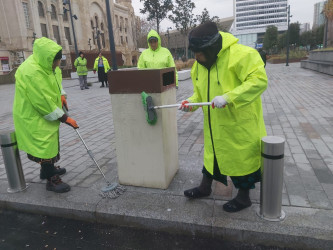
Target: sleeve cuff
column 55, row 115
column 63, row 93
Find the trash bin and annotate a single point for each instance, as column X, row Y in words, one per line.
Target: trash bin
column 11, row 158
column 147, row 155
column 272, row 153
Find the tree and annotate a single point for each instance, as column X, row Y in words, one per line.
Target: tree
column 306, row 39
column 281, row 41
column 205, row 17
column 318, row 34
column 157, row 10
column 183, row 18
column 143, row 28
column 270, row 38
column 294, row 29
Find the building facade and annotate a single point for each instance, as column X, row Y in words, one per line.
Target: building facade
column 253, row 16
column 25, row 20
column 318, row 15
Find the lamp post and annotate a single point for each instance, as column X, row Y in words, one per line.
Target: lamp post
column 168, row 35
column 111, row 38
column 65, row 2
column 288, row 20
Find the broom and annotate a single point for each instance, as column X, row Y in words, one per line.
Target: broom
column 111, row 190
column 149, row 107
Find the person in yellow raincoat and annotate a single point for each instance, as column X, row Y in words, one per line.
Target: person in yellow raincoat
column 156, row 56
column 102, row 67
column 232, row 77
column 37, row 110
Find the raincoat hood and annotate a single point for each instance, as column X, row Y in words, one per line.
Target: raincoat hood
column 44, row 51
column 227, row 40
column 155, row 34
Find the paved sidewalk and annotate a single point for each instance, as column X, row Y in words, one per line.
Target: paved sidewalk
column 298, row 105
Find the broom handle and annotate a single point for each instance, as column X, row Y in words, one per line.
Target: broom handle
column 88, row 150
column 187, row 104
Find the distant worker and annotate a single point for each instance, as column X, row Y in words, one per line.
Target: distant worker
column 102, row 66
column 81, row 70
column 263, row 55
column 156, row 56
column 37, row 110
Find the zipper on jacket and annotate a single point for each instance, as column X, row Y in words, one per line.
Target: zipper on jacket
column 209, row 122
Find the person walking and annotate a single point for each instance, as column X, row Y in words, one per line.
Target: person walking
column 263, row 55
column 102, row 66
column 156, row 56
column 81, row 68
column 232, row 77
column 37, row 110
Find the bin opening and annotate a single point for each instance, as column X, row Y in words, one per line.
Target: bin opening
column 168, row 78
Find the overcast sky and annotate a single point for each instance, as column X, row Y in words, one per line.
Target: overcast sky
column 301, row 10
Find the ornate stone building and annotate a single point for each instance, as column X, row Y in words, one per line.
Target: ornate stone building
column 25, row 20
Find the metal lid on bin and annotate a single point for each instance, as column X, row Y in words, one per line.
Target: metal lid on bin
column 135, row 81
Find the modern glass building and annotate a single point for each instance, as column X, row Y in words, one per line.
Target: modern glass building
column 253, row 16
column 318, row 16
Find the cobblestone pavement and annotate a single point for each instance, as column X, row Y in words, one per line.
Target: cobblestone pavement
column 298, row 105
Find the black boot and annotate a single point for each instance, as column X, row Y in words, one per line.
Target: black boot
column 102, row 86
column 55, row 184
column 240, row 202
column 203, row 190
column 55, row 170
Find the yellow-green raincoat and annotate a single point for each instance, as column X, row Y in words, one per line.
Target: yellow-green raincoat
column 156, row 59
column 232, row 133
column 37, row 102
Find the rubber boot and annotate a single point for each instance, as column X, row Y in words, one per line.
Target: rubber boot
column 102, row 86
column 240, row 202
column 203, row 190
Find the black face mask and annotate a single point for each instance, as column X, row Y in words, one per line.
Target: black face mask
column 211, row 53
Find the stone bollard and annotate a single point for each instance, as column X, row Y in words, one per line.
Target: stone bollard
column 147, row 155
column 272, row 152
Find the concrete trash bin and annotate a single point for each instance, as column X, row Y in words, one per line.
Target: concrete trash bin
column 12, row 160
column 272, row 153
column 147, row 155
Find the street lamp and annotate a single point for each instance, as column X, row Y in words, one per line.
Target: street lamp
column 167, row 34
column 65, row 2
column 288, row 20
column 111, row 38
column 89, row 43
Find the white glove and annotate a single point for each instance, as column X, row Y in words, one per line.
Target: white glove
column 184, row 107
column 219, row 102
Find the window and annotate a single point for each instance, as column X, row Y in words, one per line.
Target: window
column 26, row 14
column 65, row 17
column 96, row 19
column 44, row 30
column 117, row 21
column 68, row 35
column 126, row 25
column 126, row 40
column 102, row 26
column 56, row 33
column 121, row 23
column 121, row 40
column 93, row 35
column 103, row 40
column 92, row 24
column 40, row 9
column 53, row 12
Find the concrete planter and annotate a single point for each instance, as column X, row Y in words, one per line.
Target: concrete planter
column 321, row 61
column 277, row 60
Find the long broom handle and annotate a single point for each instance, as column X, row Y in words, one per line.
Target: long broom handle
column 187, row 104
column 88, row 150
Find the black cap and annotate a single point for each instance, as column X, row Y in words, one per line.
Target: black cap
column 153, row 38
column 80, row 53
column 203, row 36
